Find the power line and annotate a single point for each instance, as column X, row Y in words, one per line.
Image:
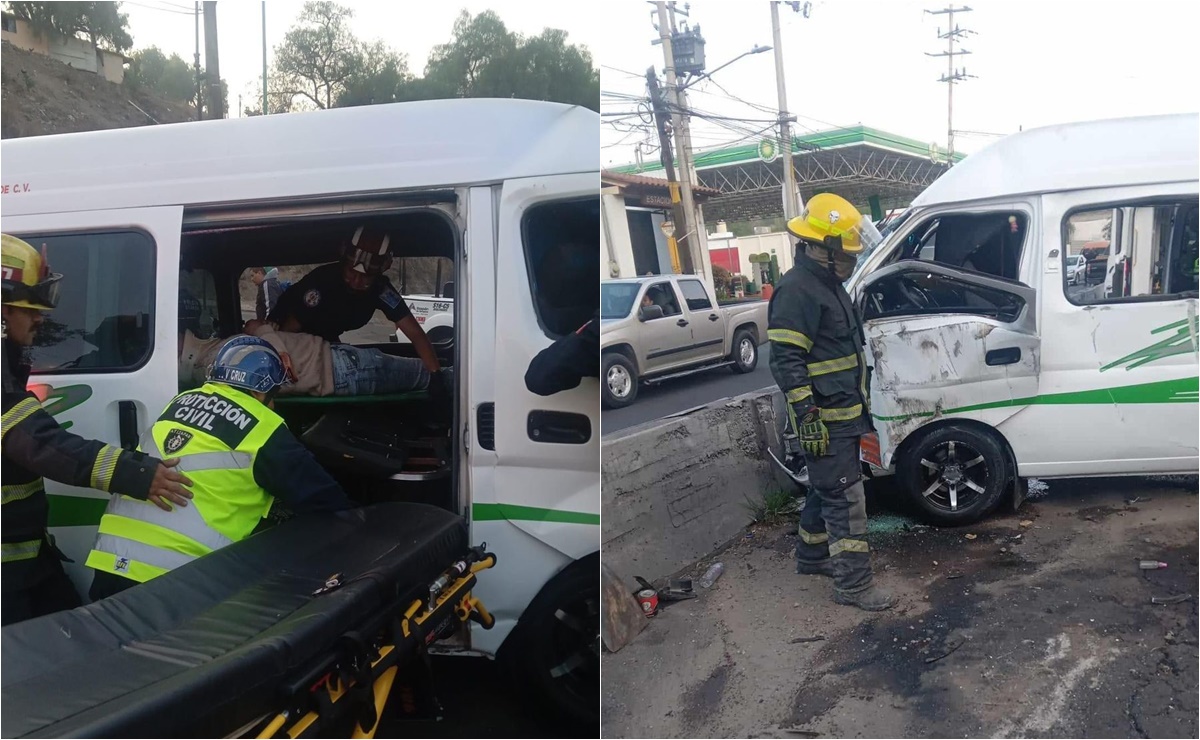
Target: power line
column 953, row 33
column 623, row 71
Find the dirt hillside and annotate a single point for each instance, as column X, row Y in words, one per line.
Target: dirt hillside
column 39, row 95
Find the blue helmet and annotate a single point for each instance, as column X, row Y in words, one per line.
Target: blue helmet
column 248, row 363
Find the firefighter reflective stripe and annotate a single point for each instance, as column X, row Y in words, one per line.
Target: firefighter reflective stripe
column 11, row 552
column 833, row 366
column 813, row 539
column 104, row 467
column 17, row 414
column 117, row 555
column 845, row 414
column 796, row 395
column 201, row 460
column 185, row 521
column 787, row 336
column 848, row 545
column 20, row 491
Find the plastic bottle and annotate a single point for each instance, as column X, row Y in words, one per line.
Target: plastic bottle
column 1151, row 565
column 711, row 575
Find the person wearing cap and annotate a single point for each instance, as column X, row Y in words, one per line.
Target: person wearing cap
column 817, row 347
column 34, row 447
column 269, row 290
column 241, row 457
column 343, row 296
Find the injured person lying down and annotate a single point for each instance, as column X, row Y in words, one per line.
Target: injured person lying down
column 315, row 367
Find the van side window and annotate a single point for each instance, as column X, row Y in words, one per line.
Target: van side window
column 695, row 295
column 1130, row 252
column 990, row 243
column 916, row 292
column 104, row 318
column 562, row 239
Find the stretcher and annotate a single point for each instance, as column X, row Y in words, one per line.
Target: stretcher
column 303, row 628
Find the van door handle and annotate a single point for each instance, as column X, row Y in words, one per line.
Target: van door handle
column 1006, row 356
column 713, row 317
column 681, row 322
column 127, row 424
column 558, row 427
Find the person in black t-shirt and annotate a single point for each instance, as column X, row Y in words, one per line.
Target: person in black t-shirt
column 343, row 296
column 564, row 364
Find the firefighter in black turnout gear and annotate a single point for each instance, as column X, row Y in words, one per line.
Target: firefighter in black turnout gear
column 817, row 359
column 34, row 445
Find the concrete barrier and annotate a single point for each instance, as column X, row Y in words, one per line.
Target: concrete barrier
column 674, row 492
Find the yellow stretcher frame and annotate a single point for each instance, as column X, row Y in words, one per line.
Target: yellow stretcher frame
column 417, row 627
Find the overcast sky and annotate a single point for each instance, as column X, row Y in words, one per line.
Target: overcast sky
column 413, row 28
column 857, row 61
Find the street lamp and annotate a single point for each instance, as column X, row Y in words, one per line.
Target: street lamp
column 756, row 50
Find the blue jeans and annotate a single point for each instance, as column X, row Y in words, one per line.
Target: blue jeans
column 369, row 372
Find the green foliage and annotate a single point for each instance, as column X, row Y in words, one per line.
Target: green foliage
column 99, row 21
column 171, row 78
column 321, row 64
column 772, row 507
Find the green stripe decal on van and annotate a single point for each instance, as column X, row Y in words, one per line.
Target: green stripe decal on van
column 510, row 512
column 76, row 511
column 1182, row 390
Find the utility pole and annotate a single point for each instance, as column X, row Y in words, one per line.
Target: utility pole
column 680, row 265
column 953, row 33
column 785, row 133
column 196, row 75
column 212, row 67
column 691, row 231
column 264, row 29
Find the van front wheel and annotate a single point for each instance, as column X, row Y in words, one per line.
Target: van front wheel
column 954, row 474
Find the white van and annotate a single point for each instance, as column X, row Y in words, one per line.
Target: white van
column 132, row 217
column 990, row 365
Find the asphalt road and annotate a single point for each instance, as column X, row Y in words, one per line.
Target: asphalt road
column 1036, row 623
column 672, row 396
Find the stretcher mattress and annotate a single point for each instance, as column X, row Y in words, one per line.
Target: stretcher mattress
column 202, row 650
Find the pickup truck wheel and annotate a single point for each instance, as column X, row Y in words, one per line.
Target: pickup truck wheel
column 745, row 352
column 954, row 474
column 619, row 381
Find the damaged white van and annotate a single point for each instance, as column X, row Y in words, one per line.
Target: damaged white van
column 993, row 362
column 497, row 198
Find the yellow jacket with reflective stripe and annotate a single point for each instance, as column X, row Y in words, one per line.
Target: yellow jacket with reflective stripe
column 215, row 431
column 34, row 445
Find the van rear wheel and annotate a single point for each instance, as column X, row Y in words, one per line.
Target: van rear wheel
column 554, row 651
column 954, row 474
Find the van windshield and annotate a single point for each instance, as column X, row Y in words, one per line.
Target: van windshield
column 616, row 299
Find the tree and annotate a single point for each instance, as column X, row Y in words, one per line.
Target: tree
column 318, row 57
column 476, row 61
column 170, row 78
column 483, row 59
column 99, row 21
column 381, row 77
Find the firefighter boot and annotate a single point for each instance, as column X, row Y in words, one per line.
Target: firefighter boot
column 871, row 599
column 819, row 568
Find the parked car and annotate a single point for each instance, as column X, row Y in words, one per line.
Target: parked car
column 656, row 328
column 1076, row 270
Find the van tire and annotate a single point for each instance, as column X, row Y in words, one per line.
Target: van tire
column 744, row 352
column 544, row 639
column 617, row 373
column 952, row 454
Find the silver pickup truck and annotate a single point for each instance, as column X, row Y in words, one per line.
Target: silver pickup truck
column 656, row 328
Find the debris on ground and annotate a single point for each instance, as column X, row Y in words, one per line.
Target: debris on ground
column 971, row 536
column 1170, row 599
column 949, row 650
column 1026, row 522
column 799, row 640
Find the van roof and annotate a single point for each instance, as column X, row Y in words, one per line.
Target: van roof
column 1075, row 156
column 428, row 144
